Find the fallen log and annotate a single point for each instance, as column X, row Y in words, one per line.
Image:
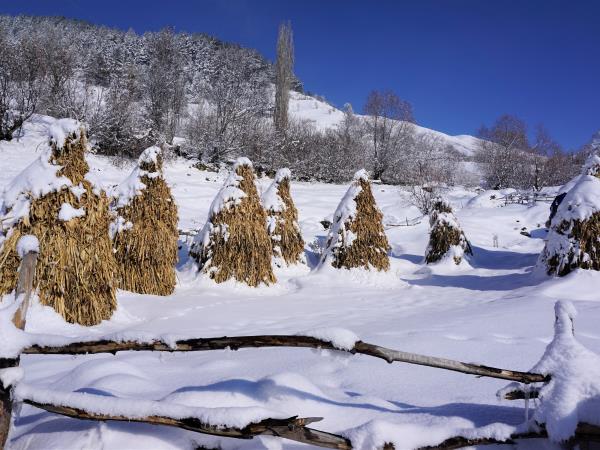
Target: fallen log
column 237, row 342
column 292, row 428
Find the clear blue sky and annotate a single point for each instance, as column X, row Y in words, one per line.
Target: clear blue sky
column 461, row 63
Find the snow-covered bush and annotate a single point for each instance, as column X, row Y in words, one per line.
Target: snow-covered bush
column 235, row 243
column 573, row 240
column 145, row 230
column 356, row 237
column 282, row 220
column 446, row 238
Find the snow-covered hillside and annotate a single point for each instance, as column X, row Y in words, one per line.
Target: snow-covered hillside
column 322, row 115
column 494, row 311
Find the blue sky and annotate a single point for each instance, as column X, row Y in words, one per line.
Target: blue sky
column 461, row 63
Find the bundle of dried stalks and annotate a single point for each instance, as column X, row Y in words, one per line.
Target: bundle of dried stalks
column 234, row 242
column 52, row 200
column 145, row 230
column 573, row 240
column 282, row 220
column 446, row 238
column 357, row 237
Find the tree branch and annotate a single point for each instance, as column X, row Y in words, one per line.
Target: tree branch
column 235, row 343
column 292, row 428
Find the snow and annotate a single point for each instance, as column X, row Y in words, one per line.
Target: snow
column 26, row 244
column 11, row 376
column 67, row 212
column 270, row 198
column 339, row 337
column 496, row 312
column 60, row 129
column 38, row 179
column 132, row 186
column 137, row 409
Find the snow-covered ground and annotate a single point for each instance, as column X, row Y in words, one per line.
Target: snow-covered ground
column 495, row 311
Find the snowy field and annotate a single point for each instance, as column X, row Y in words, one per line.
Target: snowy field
column 496, row 312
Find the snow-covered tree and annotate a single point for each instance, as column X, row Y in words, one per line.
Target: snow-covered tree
column 573, row 240
column 282, row 220
column 356, row 237
column 446, row 238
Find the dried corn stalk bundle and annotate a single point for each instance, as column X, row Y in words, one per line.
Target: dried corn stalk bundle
column 53, row 200
column 356, row 237
column 234, row 243
column 145, row 231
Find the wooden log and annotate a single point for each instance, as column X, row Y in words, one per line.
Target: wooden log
column 237, row 342
column 22, row 295
column 292, row 428
column 24, row 288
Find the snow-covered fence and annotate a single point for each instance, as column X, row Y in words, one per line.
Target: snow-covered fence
column 203, row 420
column 527, row 198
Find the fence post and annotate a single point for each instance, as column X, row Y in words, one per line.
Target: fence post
column 22, row 298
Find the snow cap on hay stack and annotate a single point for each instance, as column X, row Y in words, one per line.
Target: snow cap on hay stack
column 145, row 230
column 446, row 238
column 53, row 200
column 356, row 237
column 282, row 220
column 235, row 243
column 573, row 241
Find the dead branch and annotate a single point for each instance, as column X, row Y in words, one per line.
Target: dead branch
column 292, row 428
column 520, row 394
column 237, row 342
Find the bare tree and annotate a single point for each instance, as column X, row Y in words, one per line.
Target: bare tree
column 165, row 85
column 21, row 83
column 390, row 124
column 284, row 67
column 231, row 106
column 502, row 152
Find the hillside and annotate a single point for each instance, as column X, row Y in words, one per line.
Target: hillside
column 323, row 116
column 495, row 311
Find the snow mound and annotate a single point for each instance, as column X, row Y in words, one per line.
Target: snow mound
column 489, row 199
column 572, row 395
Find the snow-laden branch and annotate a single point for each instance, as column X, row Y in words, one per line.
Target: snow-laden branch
column 237, row 342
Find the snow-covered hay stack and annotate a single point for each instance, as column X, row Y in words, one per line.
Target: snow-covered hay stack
column 356, row 237
column 573, row 241
column 52, row 200
column 235, row 243
column 282, row 220
column 145, row 230
column 446, row 238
